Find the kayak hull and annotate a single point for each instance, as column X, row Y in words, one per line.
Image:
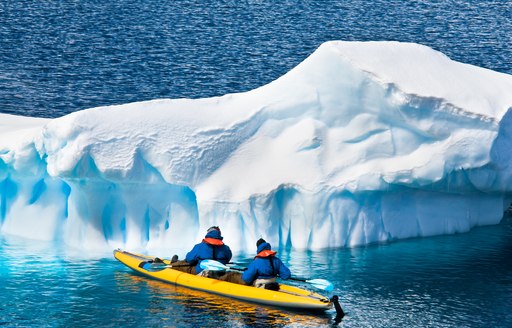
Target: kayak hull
column 287, row 297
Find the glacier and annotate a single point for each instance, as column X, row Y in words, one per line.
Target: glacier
column 362, row 142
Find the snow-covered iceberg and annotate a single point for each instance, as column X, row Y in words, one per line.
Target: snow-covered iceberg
column 360, row 143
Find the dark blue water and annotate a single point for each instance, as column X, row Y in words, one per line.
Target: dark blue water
column 58, row 57
column 461, row 280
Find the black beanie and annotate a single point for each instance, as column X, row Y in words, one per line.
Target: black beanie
column 260, row 241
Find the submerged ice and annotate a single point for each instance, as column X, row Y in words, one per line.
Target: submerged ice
column 360, row 143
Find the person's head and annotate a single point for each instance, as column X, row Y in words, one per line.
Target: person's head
column 262, row 245
column 213, row 232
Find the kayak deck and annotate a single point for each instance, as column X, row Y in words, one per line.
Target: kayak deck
column 288, row 296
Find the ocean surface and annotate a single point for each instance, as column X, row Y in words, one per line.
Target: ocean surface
column 463, row 280
column 58, row 57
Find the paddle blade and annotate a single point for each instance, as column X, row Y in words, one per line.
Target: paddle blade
column 153, row 267
column 212, row 265
column 321, row 284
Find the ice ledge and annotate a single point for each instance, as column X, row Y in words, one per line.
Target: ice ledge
column 360, row 143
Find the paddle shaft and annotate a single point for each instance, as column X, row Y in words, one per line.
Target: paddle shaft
column 298, row 279
column 174, row 266
column 180, row 265
column 216, row 266
column 291, row 278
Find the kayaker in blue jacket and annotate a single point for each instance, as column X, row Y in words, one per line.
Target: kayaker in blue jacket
column 210, row 248
column 262, row 272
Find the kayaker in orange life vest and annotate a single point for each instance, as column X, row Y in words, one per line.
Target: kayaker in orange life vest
column 262, row 272
column 210, row 248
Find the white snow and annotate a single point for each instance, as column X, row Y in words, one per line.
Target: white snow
column 362, row 142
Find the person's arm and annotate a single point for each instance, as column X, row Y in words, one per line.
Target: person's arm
column 229, row 255
column 284, row 272
column 250, row 274
column 192, row 256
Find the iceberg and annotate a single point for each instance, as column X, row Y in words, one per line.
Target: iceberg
column 362, row 142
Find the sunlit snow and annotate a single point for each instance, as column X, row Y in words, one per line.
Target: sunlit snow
column 362, row 142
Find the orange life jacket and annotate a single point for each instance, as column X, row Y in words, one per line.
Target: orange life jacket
column 213, row 241
column 265, row 253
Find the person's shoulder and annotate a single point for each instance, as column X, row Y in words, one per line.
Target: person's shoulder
column 254, row 263
column 199, row 245
column 279, row 260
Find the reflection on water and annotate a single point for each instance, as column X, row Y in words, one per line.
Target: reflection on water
column 461, row 280
column 192, row 306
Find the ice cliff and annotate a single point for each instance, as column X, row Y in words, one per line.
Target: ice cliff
column 362, row 142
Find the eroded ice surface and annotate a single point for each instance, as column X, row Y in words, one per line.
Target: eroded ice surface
column 362, row 142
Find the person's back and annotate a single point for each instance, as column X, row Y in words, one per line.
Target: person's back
column 210, row 248
column 265, row 267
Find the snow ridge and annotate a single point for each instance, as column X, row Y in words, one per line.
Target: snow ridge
column 362, row 142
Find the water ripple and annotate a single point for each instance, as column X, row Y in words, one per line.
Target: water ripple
column 57, row 57
column 446, row 281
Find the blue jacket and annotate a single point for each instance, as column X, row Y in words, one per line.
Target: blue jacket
column 261, row 268
column 206, row 251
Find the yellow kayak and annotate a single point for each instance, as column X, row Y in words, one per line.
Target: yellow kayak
column 287, row 296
